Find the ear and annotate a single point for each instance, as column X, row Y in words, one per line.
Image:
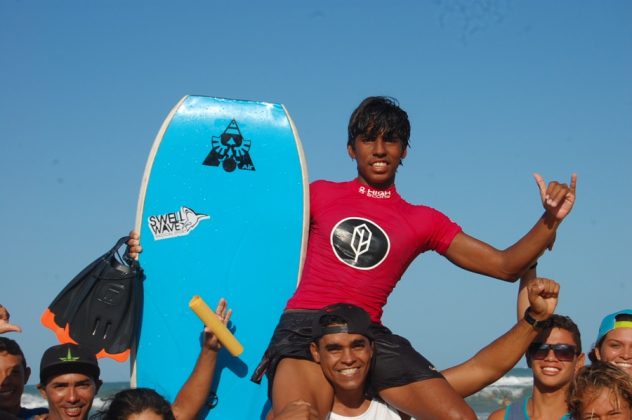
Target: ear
column 42, row 390
column 581, row 361
column 597, row 352
column 351, row 151
column 97, row 385
column 27, row 374
column 404, row 152
column 313, row 348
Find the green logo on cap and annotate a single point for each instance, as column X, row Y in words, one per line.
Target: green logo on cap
column 69, row 357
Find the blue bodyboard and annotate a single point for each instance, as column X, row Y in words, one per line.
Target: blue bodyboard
column 223, row 212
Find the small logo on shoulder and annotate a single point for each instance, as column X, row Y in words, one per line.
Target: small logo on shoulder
column 171, row 225
column 231, row 150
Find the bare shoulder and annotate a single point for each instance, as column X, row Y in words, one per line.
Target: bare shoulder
column 498, row 414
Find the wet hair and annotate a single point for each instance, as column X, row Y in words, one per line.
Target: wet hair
column 591, row 380
column 592, row 355
column 134, row 401
column 379, row 115
column 11, row 346
column 563, row 323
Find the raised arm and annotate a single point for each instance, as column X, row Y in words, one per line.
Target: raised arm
column 496, row 359
column 523, row 291
column 194, row 393
column 509, row 264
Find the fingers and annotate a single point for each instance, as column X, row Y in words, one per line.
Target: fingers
column 555, row 193
column 541, row 185
column 227, row 317
column 548, row 287
column 222, row 312
column 573, row 185
column 543, row 295
column 133, row 244
column 544, row 287
column 224, row 315
column 6, row 327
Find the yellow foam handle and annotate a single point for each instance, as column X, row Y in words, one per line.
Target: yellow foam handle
column 212, row 321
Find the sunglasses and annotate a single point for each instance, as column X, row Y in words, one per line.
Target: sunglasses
column 563, row 352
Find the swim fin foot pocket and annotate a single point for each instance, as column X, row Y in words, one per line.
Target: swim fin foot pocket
column 100, row 308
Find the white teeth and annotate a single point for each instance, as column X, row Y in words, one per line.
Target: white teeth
column 380, row 164
column 348, row 372
column 550, row 369
column 73, row 411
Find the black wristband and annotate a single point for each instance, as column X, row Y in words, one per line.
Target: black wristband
column 540, row 325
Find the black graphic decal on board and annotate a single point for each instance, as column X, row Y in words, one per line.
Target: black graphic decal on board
column 231, row 150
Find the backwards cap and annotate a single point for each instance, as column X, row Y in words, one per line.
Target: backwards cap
column 355, row 319
column 614, row 321
column 68, row 358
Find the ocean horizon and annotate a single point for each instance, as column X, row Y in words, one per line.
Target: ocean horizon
column 514, row 385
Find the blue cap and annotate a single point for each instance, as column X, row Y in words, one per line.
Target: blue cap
column 613, row 321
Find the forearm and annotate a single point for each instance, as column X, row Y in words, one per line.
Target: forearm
column 508, row 264
column 523, row 293
column 194, row 393
column 517, row 259
column 492, row 362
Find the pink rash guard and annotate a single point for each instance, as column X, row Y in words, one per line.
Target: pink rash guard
column 361, row 240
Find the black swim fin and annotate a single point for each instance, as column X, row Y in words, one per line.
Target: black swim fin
column 100, row 308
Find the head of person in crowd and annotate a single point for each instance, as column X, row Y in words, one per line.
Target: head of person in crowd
column 139, row 403
column 69, row 381
column 378, row 127
column 14, row 373
column 343, row 346
column 556, row 354
column 379, row 116
column 601, row 391
column 614, row 340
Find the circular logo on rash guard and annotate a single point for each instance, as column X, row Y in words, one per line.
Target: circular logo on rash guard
column 359, row 243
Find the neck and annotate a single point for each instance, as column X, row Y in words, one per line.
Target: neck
column 350, row 402
column 384, row 186
column 547, row 403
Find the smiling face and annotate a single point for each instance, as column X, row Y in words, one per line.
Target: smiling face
column 604, row 404
column 616, row 348
column 69, row 396
column 377, row 159
column 345, row 359
column 13, row 376
column 551, row 373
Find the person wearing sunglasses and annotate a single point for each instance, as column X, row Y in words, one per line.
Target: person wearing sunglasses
column 554, row 356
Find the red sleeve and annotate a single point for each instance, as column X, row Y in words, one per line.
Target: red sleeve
column 441, row 231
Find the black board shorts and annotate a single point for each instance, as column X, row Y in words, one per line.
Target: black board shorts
column 395, row 361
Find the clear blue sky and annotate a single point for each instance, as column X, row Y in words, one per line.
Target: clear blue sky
column 495, row 90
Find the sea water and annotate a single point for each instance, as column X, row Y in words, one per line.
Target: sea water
column 514, row 385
